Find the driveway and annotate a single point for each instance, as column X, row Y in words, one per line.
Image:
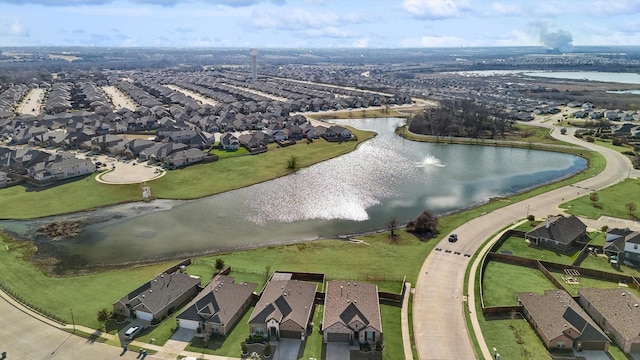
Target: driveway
column 287, row 349
column 134, row 322
column 337, row 351
column 591, row 355
column 180, row 339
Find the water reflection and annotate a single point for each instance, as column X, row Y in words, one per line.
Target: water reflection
column 385, row 177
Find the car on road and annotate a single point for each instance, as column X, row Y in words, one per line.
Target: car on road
column 132, row 331
column 453, row 238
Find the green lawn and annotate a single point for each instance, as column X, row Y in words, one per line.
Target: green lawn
column 602, row 263
column 230, row 346
column 586, row 282
column 86, row 294
column 519, row 247
column 502, row 282
column 503, row 335
column 611, row 201
column 392, row 330
column 596, row 238
column 313, row 343
column 377, row 260
column 223, row 154
column 195, row 181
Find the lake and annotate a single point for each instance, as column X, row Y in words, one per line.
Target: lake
column 386, row 177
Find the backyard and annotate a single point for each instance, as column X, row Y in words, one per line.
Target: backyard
column 518, row 246
column 502, row 282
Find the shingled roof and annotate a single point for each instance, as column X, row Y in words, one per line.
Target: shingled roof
column 559, row 228
column 161, row 291
column 556, row 312
column 219, row 301
column 285, row 300
column 618, row 306
column 350, row 302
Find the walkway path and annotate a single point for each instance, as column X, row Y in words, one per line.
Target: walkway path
column 439, row 302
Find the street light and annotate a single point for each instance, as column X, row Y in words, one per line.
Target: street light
column 73, row 322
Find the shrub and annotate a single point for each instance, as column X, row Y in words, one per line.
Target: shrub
column 589, row 139
column 531, row 217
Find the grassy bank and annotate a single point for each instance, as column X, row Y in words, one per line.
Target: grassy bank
column 611, row 201
column 195, row 181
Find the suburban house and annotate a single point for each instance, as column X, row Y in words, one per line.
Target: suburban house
column 558, row 232
column 617, row 311
column 156, row 298
column 218, row 307
column 62, row 168
column 285, row 308
column 560, row 322
column 184, row 157
column 351, row 313
column 624, row 244
column 229, row 142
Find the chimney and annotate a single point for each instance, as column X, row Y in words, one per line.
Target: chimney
column 548, row 223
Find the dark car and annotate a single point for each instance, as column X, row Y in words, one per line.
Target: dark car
column 453, row 238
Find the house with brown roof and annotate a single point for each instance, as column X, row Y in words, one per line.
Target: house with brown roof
column 558, row 232
column 561, row 323
column 351, row 313
column 218, row 307
column 617, row 311
column 155, row 299
column 285, row 308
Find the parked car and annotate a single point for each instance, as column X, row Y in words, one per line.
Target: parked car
column 132, row 331
column 453, row 238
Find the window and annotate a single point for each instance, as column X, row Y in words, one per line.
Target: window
column 635, row 246
column 560, row 344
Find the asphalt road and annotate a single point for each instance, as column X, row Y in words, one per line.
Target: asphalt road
column 439, row 328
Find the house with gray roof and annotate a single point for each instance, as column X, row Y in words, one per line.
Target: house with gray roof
column 617, row 311
column 218, row 307
column 285, row 308
column 184, row 157
column 560, row 321
column 624, row 244
column 558, row 232
column 157, row 297
column 4, row 179
column 351, row 313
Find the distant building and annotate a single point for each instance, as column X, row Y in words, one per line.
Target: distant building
column 254, row 63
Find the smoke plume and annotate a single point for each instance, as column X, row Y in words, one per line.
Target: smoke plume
column 560, row 40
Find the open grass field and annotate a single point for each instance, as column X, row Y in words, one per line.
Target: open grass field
column 195, row 181
column 502, row 282
column 503, row 335
column 375, row 260
column 519, row 247
column 86, row 295
column 611, row 201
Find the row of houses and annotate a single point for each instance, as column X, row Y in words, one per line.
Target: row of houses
column 40, row 167
column 589, row 322
column 284, row 308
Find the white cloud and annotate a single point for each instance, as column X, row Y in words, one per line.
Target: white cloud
column 434, row 41
column 613, row 7
column 17, row 28
column 436, row 9
column 506, row 9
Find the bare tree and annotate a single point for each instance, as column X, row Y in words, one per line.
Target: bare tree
column 594, row 198
column 392, row 225
column 631, row 207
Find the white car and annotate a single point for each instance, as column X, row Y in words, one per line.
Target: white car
column 132, row 331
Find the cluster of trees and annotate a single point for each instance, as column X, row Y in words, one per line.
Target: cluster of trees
column 462, row 118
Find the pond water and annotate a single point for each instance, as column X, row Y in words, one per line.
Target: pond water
column 386, row 177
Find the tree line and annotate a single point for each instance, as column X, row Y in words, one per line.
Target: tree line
column 461, row 118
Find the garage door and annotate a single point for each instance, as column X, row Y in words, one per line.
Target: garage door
column 188, row 324
column 635, row 348
column 144, row 315
column 289, row 334
column 337, row 337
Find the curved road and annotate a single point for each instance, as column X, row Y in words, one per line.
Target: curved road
column 439, row 328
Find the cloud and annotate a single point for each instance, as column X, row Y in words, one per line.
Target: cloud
column 507, row 9
column 434, row 41
column 436, row 9
column 561, row 40
column 70, row 3
column 184, row 29
column 617, row 7
column 78, row 31
column 296, row 19
column 16, row 28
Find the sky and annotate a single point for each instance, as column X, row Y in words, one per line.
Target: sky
column 319, row 23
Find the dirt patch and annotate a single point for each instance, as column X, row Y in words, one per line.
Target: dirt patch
column 60, row 230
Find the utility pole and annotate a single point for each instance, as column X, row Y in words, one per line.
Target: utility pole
column 73, row 322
